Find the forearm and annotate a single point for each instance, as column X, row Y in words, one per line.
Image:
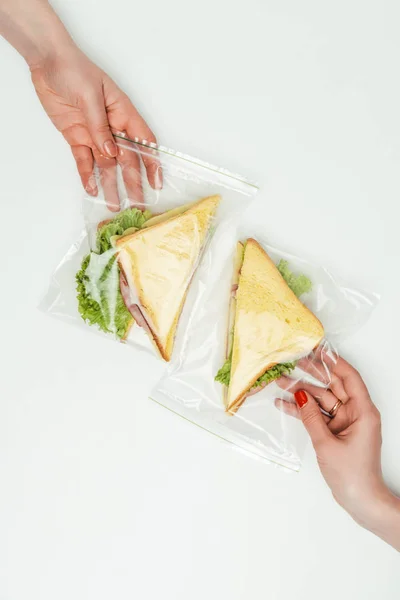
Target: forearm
column 34, row 29
column 384, row 519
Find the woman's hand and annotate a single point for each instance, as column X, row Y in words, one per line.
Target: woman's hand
column 348, row 445
column 85, row 105
column 81, row 100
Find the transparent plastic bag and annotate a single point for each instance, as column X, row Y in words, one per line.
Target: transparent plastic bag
column 257, row 427
column 130, row 273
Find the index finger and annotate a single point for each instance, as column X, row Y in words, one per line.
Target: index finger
column 129, row 161
column 108, row 178
column 319, row 363
column 139, row 132
column 352, row 381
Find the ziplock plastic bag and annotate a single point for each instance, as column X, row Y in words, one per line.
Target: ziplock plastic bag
column 129, row 274
column 256, row 425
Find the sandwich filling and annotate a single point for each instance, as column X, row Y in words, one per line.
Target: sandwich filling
column 127, row 283
column 100, row 301
column 157, row 264
column 141, row 269
column 299, row 284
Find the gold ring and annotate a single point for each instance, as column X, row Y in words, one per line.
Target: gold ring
column 332, row 413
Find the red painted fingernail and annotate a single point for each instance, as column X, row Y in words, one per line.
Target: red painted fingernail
column 301, row 398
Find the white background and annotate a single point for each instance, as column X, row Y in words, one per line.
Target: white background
column 104, row 494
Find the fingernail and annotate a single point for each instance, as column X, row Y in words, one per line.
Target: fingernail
column 91, row 191
column 110, row 148
column 301, row 398
column 91, row 188
column 158, row 180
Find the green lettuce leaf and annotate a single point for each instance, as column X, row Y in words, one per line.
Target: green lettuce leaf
column 224, row 374
column 299, row 284
column 274, row 373
column 99, row 296
column 132, row 217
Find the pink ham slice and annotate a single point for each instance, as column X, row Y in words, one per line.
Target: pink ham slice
column 132, row 307
column 124, row 287
column 256, row 390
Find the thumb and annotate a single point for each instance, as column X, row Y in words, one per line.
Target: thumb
column 99, row 128
column 312, row 418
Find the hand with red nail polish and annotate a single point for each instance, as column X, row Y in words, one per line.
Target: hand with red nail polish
column 301, row 398
column 81, row 100
column 348, row 443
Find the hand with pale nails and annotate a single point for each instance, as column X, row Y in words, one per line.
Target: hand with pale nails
column 81, row 100
column 85, row 105
column 347, row 444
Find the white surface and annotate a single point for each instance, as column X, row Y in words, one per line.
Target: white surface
column 104, row 494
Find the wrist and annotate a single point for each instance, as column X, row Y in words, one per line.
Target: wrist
column 49, row 51
column 48, row 40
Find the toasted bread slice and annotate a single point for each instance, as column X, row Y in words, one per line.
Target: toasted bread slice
column 156, row 219
column 237, row 265
column 271, row 324
column 159, row 262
